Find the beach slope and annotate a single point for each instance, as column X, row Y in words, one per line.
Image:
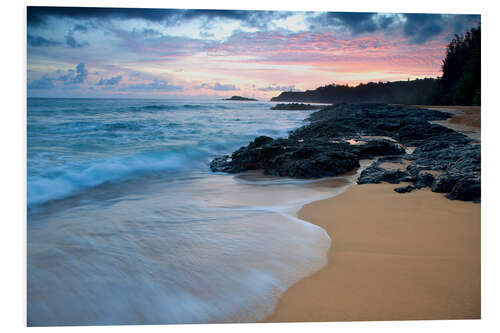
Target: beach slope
column 393, row 257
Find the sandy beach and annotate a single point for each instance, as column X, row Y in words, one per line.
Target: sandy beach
column 393, row 257
column 465, row 119
column 465, row 115
column 412, row 256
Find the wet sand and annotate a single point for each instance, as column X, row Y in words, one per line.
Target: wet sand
column 393, row 257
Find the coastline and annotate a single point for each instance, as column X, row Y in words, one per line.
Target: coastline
column 402, row 265
column 465, row 119
column 405, row 241
column 391, row 260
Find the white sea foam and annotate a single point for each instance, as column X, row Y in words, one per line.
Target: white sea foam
column 70, row 179
column 162, row 258
column 139, row 230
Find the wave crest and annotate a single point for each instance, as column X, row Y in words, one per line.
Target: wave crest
column 71, row 179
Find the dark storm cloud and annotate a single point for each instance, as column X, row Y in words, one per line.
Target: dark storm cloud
column 73, row 43
column 356, row 23
column 462, row 23
column 251, row 18
column 40, row 41
column 418, row 28
column 38, row 15
column 421, row 27
column 80, row 27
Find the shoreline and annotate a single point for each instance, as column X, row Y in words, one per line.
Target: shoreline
column 465, row 119
column 405, row 245
column 339, row 136
column 387, row 263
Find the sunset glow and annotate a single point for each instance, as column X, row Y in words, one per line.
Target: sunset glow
column 103, row 52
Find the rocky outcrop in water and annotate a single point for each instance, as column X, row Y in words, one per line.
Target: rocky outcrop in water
column 338, row 136
column 239, row 98
column 313, row 158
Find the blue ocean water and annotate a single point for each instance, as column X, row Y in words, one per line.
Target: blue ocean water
column 74, row 144
column 127, row 224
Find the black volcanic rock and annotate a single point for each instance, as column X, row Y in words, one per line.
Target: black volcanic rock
column 466, row 189
column 375, row 175
column 296, row 107
column 302, row 158
column 374, row 120
column 404, row 189
column 379, row 148
column 311, row 162
column 286, row 157
column 445, row 184
column 424, row 180
column 338, row 136
column 239, row 98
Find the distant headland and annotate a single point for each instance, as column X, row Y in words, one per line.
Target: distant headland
column 296, row 107
column 460, row 83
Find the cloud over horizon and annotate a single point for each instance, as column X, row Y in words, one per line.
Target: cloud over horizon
column 170, row 51
column 155, row 85
column 110, row 82
column 69, row 78
column 220, row 87
column 277, row 88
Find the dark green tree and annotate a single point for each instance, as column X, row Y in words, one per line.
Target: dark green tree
column 461, row 80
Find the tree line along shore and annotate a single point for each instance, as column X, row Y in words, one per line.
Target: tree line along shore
column 460, row 83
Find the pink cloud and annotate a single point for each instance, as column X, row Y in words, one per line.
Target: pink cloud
column 328, row 52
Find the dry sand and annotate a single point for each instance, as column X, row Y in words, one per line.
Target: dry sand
column 465, row 115
column 465, row 119
column 393, row 257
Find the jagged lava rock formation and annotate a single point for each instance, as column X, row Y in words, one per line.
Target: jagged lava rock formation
column 338, row 136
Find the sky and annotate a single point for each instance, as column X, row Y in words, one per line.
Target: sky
column 172, row 53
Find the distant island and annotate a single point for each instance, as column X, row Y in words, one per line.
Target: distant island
column 296, row 107
column 239, row 98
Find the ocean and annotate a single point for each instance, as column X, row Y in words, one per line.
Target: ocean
column 126, row 224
